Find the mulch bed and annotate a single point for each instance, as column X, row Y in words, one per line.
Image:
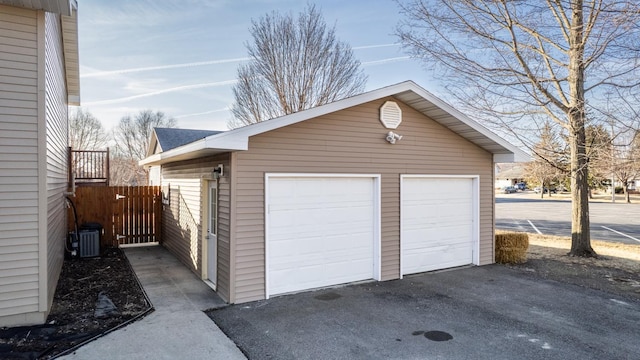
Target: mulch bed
column 613, row 275
column 73, row 319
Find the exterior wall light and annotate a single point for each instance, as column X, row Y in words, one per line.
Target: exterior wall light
column 393, row 137
column 218, row 171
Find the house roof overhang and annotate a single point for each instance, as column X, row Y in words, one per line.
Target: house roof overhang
column 68, row 9
column 71, row 55
column 62, row 7
column 407, row 92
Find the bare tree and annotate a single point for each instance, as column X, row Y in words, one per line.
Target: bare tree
column 126, row 172
column 132, row 140
column 296, row 64
column 598, row 150
column 86, row 131
column 509, row 60
column 549, row 164
column 625, row 164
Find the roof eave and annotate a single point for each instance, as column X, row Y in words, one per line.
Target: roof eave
column 62, row 7
column 71, row 56
column 196, row 149
column 407, row 92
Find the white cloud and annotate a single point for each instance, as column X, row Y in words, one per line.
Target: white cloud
column 162, row 67
column 199, row 63
column 158, row 92
column 226, row 108
column 386, row 61
column 374, row 46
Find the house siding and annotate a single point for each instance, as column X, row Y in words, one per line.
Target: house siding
column 351, row 141
column 183, row 218
column 56, row 147
column 19, row 217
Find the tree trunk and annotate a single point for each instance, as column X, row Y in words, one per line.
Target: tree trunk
column 625, row 187
column 580, row 235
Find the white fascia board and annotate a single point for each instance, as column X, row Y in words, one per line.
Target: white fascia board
column 238, row 139
column 391, row 90
column 223, row 144
column 182, row 150
column 227, row 140
column 503, row 158
column 518, row 154
column 152, row 144
column 150, row 160
column 290, row 119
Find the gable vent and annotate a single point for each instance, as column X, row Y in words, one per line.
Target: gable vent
column 390, row 115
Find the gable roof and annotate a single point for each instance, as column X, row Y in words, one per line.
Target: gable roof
column 165, row 139
column 407, row 92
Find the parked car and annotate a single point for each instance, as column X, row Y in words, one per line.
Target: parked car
column 521, row 186
column 546, row 190
column 509, row 189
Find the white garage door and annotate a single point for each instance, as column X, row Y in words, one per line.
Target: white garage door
column 320, row 231
column 438, row 229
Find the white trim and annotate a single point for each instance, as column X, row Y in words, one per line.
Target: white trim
column 210, row 284
column 125, row 246
column 238, row 139
column 43, row 220
column 206, row 212
column 266, row 234
column 505, row 158
column 377, row 231
column 476, row 210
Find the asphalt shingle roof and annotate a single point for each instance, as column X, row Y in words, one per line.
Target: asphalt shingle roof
column 171, row 138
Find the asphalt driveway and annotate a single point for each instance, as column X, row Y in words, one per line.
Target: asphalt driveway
column 488, row 312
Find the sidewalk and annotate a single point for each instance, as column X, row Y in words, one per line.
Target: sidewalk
column 178, row 328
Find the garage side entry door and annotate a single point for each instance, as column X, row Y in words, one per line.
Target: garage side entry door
column 438, row 223
column 320, row 231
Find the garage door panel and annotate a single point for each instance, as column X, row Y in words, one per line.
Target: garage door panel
column 437, row 223
column 320, row 232
column 288, row 277
column 435, row 258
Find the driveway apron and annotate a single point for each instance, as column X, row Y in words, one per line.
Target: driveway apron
column 488, row 312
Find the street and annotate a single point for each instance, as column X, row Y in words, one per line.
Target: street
column 619, row 222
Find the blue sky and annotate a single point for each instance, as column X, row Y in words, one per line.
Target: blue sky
column 180, row 57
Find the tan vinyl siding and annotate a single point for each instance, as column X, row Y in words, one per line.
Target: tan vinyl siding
column 57, row 142
column 351, row 141
column 19, row 282
column 182, row 223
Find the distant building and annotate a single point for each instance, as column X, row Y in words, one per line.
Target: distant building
column 508, row 174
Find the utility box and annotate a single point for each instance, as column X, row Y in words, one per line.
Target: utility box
column 89, row 240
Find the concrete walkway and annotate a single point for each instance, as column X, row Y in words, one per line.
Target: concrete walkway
column 178, row 328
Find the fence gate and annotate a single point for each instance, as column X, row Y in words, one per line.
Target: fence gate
column 128, row 214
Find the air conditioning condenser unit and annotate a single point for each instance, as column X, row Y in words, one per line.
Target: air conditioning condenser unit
column 89, row 243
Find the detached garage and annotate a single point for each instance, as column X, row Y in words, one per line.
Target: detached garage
column 374, row 187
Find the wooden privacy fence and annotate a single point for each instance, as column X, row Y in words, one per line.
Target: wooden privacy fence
column 128, row 214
